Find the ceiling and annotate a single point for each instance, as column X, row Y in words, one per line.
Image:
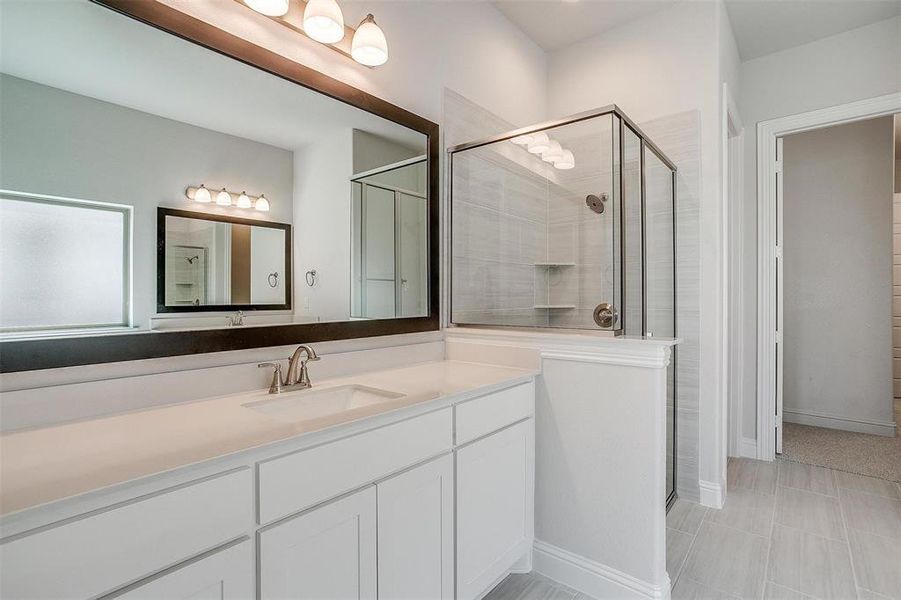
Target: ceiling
column 84, row 48
column 763, row 27
column 553, row 24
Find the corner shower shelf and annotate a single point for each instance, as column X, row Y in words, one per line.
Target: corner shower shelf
column 555, row 264
column 554, row 306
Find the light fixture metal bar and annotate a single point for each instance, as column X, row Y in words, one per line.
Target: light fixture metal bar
column 293, row 20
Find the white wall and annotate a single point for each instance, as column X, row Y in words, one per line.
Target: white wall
column 855, row 65
column 837, row 239
column 58, row 143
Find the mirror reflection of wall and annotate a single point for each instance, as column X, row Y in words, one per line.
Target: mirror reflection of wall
column 214, row 263
column 137, row 128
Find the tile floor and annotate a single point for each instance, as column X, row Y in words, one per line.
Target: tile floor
column 788, row 531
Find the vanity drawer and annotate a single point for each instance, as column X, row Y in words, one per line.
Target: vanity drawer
column 292, row 483
column 97, row 553
column 483, row 415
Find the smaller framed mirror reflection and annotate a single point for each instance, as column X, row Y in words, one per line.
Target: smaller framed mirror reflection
column 208, row 262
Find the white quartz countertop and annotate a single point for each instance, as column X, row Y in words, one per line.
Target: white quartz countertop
column 44, row 465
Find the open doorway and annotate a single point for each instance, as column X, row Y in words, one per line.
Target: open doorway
column 834, row 289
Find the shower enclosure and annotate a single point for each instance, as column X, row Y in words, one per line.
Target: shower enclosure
column 569, row 224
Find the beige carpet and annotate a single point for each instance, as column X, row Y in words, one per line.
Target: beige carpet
column 861, row 453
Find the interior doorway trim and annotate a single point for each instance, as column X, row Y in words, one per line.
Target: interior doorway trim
column 768, row 297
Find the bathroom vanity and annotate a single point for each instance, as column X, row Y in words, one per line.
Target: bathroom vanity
column 414, row 483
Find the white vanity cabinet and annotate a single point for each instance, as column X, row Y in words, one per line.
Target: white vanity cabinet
column 416, row 532
column 495, row 490
column 328, row 552
column 223, row 575
column 433, row 505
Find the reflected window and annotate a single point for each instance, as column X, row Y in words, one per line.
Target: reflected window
column 65, row 264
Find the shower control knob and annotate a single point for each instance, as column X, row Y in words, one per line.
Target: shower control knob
column 605, row 315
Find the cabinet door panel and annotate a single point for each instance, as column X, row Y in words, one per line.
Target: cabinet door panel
column 226, row 575
column 494, row 507
column 416, row 533
column 327, row 553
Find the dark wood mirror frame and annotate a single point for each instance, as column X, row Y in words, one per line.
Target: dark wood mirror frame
column 28, row 355
column 162, row 307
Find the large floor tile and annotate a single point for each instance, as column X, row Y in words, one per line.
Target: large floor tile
column 685, row 516
column 806, row 477
column 870, row 485
column 810, row 512
column 877, row 562
column 686, row 589
column 727, row 559
column 811, row 564
column 745, row 510
column 678, row 544
column 873, row 514
column 778, row 592
column 754, row 475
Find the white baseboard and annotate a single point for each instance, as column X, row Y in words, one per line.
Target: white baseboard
column 748, row 448
column 711, row 494
column 592, row 578
column 806, row 417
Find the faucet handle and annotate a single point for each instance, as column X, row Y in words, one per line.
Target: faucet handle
column 276, row 386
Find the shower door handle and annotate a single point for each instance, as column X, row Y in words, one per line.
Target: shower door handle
column 605, row 315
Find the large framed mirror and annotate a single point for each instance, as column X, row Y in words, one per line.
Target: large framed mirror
column 150, row 193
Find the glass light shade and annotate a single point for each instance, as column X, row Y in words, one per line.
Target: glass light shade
column 369, row 46
column 323, row 21
column 202, row 195
column 566, row 161
column 270, row 8
column 262, row 204
column 223, row 198
column 540, row 143
column 522, row 140
column 553, row 153
column 244, row 201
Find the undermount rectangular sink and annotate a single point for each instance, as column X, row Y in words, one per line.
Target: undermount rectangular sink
column 314, row 404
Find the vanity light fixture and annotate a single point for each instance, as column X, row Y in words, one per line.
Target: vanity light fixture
column 270, row 8
column 202, row 195
column 244, row 201
column 323, row 21
column 566, row 161
column 369, row 46
column 522, row 140
column 262, row 204
column 539, row 143
column 223, row 198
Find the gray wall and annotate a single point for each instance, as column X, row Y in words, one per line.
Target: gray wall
column 838, row 274
column 63, row 144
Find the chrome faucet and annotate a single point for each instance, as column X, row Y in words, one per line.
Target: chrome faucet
column 298, row 378
column 236, row 320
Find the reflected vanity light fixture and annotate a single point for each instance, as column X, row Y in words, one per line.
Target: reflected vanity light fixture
column 566, row 161
column 224, row 197
column 323, row 21
column 539, row 143
column 553, row 153
column 548, row 149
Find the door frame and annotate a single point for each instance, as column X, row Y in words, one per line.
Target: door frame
column 769, row 296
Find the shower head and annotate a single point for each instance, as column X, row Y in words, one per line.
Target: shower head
column 596, row 203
